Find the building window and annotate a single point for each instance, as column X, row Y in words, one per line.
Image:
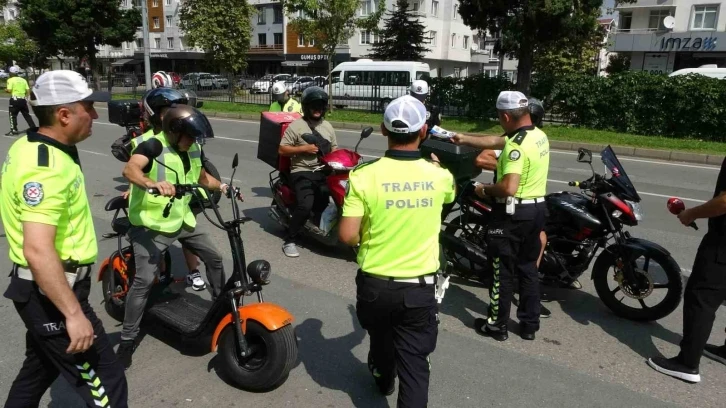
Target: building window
column 127, row 45
column 626, row 20
column 156, row 22
column 155, row 3
column 704, row 17
column 261, row 15
column 157, row 43
column 433, row 38
column 278, row 14
column 278, row 38
column 368, row 37
column 300, row 40
column 656, row 19
column 168, row 2
column 311, row 43
column 457, row 72
column 139, row 43
column 262, row 39
column 435, row 8
column 366, row 8
column 170, row 42
column 466, row 42
column 169, row 21
column 456, row 11
column 417, row 6
column 453, row 40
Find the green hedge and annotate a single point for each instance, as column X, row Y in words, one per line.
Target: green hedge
column 631, row 102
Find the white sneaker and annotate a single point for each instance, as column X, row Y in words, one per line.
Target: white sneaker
column 195, row 280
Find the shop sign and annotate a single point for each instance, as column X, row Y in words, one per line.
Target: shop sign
column 688, row 44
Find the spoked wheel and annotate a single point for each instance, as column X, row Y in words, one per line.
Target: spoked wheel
column 273, row 355
column 654, row 293
column 473, row 234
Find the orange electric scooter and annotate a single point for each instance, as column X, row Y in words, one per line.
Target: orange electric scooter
column 255, row 342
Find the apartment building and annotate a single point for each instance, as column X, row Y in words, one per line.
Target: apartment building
column 662, row 36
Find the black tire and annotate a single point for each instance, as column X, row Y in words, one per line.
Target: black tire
column 601, row 274
column 115, row 307
column 465, row 270
column 266, row 369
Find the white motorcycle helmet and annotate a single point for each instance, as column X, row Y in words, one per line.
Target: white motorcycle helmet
column 278, row 91
column 161, row 80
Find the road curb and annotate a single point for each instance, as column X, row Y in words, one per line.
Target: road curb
column 625, row 151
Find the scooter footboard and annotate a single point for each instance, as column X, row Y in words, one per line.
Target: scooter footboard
column 270, row 315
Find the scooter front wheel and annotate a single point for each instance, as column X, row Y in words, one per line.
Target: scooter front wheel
column 273, row 355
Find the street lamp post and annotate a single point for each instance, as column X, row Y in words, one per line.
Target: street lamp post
column 145, row 32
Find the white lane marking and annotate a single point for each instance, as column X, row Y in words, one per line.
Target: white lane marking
column 92, row 152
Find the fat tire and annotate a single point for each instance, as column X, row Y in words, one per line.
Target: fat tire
column 601, row 274
column 460, row 269
column 108, row 283
column 281, row 355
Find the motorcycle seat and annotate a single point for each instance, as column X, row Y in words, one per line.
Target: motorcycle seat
column 121, row 225
column 117, row 203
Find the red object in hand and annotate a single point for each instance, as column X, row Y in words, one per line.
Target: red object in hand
column 675, row 205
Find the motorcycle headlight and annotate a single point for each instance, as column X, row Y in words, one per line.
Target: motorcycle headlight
column 637, row 209
column 259, row 271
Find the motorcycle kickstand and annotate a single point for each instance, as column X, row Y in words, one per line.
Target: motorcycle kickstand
column 241, row 340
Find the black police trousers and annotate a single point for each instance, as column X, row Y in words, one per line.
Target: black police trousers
column 705, row 291
column 402, row 322
column 96, row 375
column 310, row 196
column 19, row 105
column 513, row 248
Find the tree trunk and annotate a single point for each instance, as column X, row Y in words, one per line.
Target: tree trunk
column 330, row 82
column 526, row 52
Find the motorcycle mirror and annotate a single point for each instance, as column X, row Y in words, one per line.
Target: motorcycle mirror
column 200, row 104
column 584, row 155
column 155, row 148
column 366, row 132
column 235, row 161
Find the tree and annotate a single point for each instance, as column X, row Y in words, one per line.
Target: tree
column 16, row 46
column 567, row 57
column 333, row 22
column 618, row 63
column 402, row 37
column 530, row 25
column 223, row 28
column 75, row 28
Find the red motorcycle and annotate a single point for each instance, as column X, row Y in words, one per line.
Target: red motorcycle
column 336, row 165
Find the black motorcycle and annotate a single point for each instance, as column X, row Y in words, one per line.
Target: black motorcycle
column 579, row 224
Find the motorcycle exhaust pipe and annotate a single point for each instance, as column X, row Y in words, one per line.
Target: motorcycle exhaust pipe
column 470, row 251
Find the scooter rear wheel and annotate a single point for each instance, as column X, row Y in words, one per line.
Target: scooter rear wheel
column 274, row 354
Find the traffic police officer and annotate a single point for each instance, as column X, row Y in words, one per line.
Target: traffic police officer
column 420, row 90
column 518, row 216
column 392, row 208
column 18, row 89
column 52, row 243
column 282, row 100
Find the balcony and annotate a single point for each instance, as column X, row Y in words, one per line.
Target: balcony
column 646, row 4
column 266, row 49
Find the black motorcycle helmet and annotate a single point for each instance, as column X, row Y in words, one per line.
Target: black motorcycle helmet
column 314, row 96
column 536, row 111
column 185, row 120
column 156, row 99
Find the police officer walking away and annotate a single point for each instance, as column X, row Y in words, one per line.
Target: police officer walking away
column 18, row 89
column 392, row 208
column 52, row 243
column 705, row 290
column 518, row 216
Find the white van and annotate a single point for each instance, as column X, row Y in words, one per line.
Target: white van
column 364, row 81
column 707, row 70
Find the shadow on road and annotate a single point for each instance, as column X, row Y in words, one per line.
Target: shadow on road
column 331, row 363
column 261, row 192
column 586, row 309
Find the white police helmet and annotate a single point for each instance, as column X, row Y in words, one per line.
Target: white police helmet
column 14, row 69
column 419, row 89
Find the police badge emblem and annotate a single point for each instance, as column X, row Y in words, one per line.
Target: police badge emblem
column 33, row 193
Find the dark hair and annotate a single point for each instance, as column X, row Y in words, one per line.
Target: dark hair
column 402, row 138
column 46, row 114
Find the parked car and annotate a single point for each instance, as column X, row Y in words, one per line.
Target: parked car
column 220, row 82
column 192, row 80
column 265, row 83
column 297, row 85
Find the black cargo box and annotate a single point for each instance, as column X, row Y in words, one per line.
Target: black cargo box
column 459, row 160
column 124, row 112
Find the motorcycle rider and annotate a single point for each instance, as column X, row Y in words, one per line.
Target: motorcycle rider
column 282, row 100
column 154, row 102
column 184, row 129
column 306, row 182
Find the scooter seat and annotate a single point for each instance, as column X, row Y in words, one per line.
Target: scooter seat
column 117, row 203
column 121, row 225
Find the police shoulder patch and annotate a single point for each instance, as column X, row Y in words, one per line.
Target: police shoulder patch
column 520, row 137
column 33, row 193
column 514, row 155
column 290, row 108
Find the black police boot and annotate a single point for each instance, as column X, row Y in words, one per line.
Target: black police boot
column 125, row 351
column 386, row 387
column 526, row 333
column 498, row 333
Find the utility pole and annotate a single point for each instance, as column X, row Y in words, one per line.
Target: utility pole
column 145, row 31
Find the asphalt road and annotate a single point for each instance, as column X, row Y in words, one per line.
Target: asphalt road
column 583, row 355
